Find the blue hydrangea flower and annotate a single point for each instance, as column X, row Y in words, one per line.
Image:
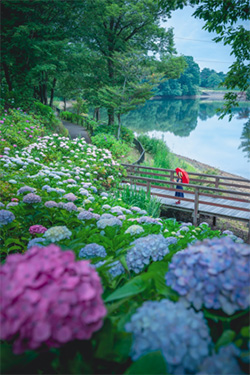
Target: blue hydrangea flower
column 153, row 246
column 106, row 207
column 58, row 233
column 26, row 189
column 116, row 269
column 87, row 215
column 103, row 223
column 223, row 363
column 35, row 242
column 92, row 250
column 51, row 204
column 104, row 194
column 70, row 206
column 12, row 204
column 6, row 217
column 213, row 273
column 180, row 334
column 84, row 192
column 31, row 198
column 1, row 204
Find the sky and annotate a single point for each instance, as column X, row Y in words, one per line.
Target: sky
column 191, row 40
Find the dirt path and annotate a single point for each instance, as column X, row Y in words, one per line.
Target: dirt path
column 76, row 131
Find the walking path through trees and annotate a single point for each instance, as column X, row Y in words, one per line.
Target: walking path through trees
column 76, row 131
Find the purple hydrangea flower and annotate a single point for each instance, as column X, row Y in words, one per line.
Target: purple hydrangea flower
column 31, row 198
column 225, row 362
column 213, row 273
column 180, row 334
column 12, row 204
column 26, row 189
column 51, row 204
column 153, row 246
column 6, row 217
column 49, row 299
column 34, row 229
column 92, row 250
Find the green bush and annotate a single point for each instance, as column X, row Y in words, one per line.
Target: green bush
column 73, row 117
column 126, row 134
column 108, row 141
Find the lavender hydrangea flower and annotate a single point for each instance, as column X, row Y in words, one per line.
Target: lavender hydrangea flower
column 58, row 233
column 148, row 220
column 103, row 223
column 87, row 215
column 180, row 334
column 70, row 197
column 12, row 204
column 223, row 363
column 51, row 204
column 106, row 207
column 1, row 204
column 92, row 250
column 31, row 198
column 70, row 206
column 153, row 246
column 213, row 273
column 25, row 189
column 58, row 300
column 6, row 217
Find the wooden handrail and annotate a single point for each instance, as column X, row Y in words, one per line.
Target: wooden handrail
column 190, row 173
column 189, row 185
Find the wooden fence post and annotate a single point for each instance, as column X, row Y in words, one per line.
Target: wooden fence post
column 248, row 237
column 196, row 205
column 148, row 187
column 171, row 175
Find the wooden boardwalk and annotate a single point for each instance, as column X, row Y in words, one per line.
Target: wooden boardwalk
column 205, row 194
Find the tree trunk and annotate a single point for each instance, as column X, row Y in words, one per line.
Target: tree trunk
column 52, row 92
column 111, row 114
column 119, row 126
column 7, row 76
column 94, row 114
column 98, row 114
column 64, row 104
column 45, row 95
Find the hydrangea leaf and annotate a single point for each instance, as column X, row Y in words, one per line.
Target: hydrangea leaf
column 131, row 288
column 152, row 363
column 225, row 339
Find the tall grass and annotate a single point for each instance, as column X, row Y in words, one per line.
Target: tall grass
column 139, row 198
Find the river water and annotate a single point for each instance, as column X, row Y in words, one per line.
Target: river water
column 192, row 128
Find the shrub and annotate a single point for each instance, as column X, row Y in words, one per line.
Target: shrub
column 117, row 148
column 127, row 135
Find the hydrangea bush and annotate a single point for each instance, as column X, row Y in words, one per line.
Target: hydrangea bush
column 133, row 253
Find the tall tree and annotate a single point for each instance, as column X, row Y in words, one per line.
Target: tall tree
column 34, row 34
column 117, row 25
column 225, row 18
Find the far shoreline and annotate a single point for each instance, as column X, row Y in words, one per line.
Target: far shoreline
column 205, row 95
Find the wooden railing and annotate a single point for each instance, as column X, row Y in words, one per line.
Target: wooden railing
column 195, row 192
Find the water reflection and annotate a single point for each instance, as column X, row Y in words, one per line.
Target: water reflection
column 195, row 125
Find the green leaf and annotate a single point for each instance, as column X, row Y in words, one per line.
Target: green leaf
column 131, row 288
column 152, row 363
column 225, row 339
column 245, row 331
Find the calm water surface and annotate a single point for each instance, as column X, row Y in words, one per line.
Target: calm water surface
column 192, row 128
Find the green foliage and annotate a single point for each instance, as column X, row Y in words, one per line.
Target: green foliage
column 73, row 117
column 118, row 148
column 224, row 18
column 127, row 135
column 187, row 84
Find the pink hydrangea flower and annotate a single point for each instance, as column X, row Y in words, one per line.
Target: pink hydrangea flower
column 37, row 229
column 14, row 199
column 48, row 299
